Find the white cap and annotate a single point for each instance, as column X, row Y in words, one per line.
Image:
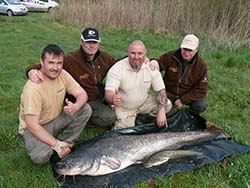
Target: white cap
column 190, row 42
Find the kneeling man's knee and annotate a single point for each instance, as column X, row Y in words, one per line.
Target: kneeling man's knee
column 42, row 157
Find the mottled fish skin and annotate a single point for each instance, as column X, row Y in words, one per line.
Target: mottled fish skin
column 109, row 155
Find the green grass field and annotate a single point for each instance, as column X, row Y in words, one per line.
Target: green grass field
column 21, row 41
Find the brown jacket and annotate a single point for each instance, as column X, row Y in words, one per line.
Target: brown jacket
column 89, row 74
column 187, row 84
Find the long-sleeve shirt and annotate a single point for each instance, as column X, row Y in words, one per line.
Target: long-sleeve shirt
column 187, row 83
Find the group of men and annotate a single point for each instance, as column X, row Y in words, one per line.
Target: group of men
column 65, row 93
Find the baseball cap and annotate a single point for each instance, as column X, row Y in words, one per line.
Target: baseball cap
column 190, row 42
column 90, row 34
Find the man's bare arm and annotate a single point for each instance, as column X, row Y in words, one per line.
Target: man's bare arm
column 32, row 122
column 81, row 99
column 161, row 98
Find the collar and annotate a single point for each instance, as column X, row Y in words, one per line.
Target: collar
column 177, row 55
column 129, row 67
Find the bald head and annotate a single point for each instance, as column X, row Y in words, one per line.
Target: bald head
column 137, row 43
column 136, row 54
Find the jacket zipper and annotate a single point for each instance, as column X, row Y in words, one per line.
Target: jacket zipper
column 93, row 66
column 179, row 79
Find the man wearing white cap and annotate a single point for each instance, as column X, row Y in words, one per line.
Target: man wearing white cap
column 88, row 65
column 185, row 76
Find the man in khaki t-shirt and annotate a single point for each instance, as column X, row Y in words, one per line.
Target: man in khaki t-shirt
column 127, row 88
column 42, row 111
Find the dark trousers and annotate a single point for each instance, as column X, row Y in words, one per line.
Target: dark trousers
column 102, row 115
column 196, row 107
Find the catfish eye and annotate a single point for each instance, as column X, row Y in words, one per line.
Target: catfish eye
column 60, row 165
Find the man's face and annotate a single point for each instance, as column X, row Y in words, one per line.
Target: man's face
column 90, row 47
column 188, row 54
column 136, row 55
column 52, row 65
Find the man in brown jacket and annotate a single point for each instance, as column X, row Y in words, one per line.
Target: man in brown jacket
column 185, row 76
column 88, row 66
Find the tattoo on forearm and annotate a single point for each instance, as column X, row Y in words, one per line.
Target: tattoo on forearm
column 161, row 99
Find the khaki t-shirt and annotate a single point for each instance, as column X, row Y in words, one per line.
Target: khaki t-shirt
column 46, row 98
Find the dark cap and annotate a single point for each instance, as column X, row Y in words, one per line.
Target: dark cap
column 90, row 34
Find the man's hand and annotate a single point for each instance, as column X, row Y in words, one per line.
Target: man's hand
column 70, row 108
column 116, row 98
column 161, row 118
column 153, row 65
column 178, row 104
column 35, row 75
column 62, row 148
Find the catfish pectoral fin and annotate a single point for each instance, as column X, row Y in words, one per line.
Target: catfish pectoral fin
column 110, row 162
column 163, row 156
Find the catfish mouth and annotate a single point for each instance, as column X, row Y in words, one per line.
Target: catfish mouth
column 67, row 169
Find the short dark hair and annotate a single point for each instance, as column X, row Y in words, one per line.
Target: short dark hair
column 52, row 49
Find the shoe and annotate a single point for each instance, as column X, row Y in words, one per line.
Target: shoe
column 142, row 119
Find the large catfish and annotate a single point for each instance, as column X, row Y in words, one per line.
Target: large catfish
column 109, row 155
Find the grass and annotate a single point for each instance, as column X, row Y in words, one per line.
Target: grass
column 225, row 21
column 21, row 41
